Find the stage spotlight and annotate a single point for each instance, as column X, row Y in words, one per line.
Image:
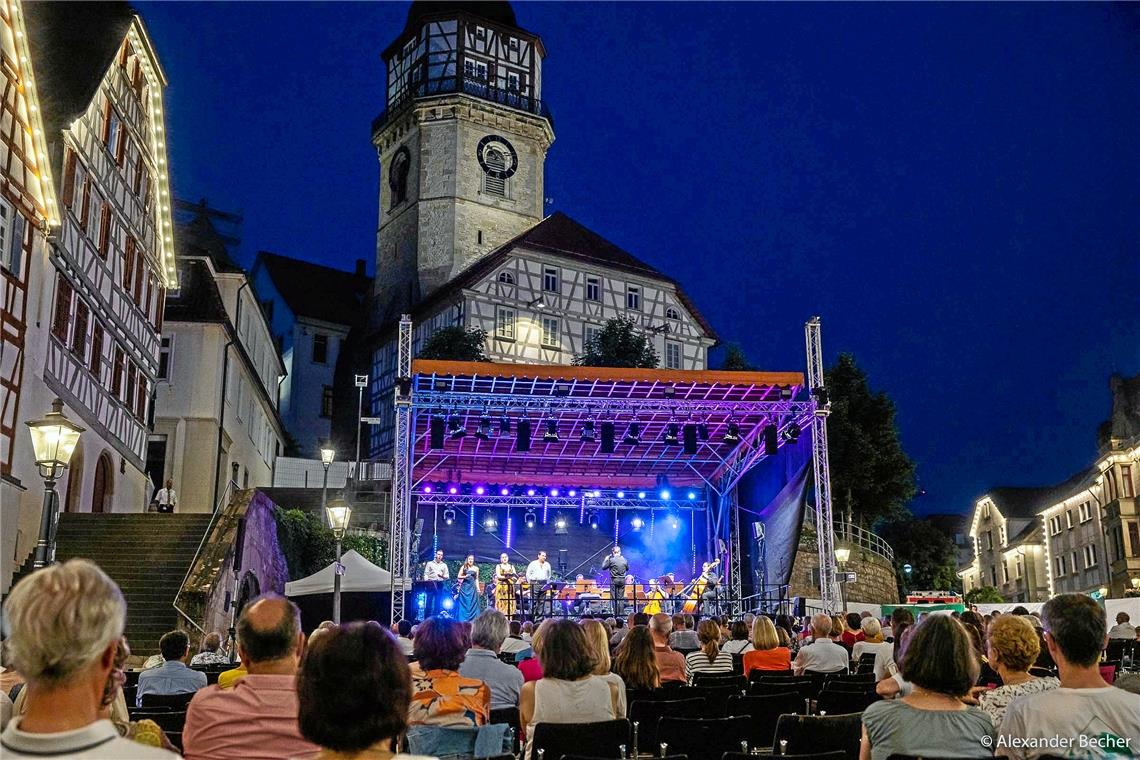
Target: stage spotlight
column 621, row 494
column 455, row 428
column 530, row 492
column 633, row 434
column 572, row 492
column 587, row 433
column 427, row 487
column 453, row 490
column 641, row 494
column 674, row 523
column 594, row 520
column 530, row 519
column 785, row 392
column 449, row 515
column 703, row 431
column 504, row 424
column 666, row 494
column 792, row 433
column 692, row 495
column 504, row 491
column 672, row 433
column 636, row 522
column 448, row 602
column 490, row 523
column 480, row 490
column 732, row 435
column 551, row 434
column 484, row 431
column 560, row 526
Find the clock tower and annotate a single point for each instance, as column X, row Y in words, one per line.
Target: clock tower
column 462, row 143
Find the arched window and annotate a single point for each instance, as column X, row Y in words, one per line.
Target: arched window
column 398, row 175
column 496, row 161
column 506, row 278
column 673, row 314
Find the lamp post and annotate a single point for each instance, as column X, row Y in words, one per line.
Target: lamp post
column 842, row 554
column 906, row 573
column 361, row 384
column 338, row 513
column 54, row 438
column 328, row 453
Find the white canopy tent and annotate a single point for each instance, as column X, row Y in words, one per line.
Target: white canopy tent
column 359, row 575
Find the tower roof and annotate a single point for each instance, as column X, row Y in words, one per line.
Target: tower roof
column 499, row 12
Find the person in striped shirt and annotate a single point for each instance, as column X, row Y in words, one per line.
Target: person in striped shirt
column 709, row 658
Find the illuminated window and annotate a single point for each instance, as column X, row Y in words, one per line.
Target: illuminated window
column 672, row 355
column 550, row 332
column 505, row 323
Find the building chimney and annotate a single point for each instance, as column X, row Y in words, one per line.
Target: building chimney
column 360, row 268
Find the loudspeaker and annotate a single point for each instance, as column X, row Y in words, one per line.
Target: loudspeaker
column 239, row 544
column 690, row 439
column 758, row 531
column 435, row 436
column 770, row 443
column 799, row 606
column 607, row 446
column 522, row 438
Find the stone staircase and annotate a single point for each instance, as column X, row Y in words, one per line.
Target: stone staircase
column 146, row 554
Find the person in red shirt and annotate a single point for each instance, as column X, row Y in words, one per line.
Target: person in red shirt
column 670, row 662
column 852, row 630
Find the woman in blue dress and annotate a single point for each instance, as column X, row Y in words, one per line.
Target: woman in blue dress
column 469, row 599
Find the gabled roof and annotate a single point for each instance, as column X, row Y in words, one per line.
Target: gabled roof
column 198, row 298
column 72, row 46
column 560, row 235
column 1027, row 503
column 316, row 291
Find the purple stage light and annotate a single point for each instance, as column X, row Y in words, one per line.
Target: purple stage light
column 621, row 494
column 572, row 492
column 453, row 490
column 553, row 491
column 504, row 491
column 427, row 488
column 480, row 490
column 530, row 492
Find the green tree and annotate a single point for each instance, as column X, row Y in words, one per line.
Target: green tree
column 871, row 475
column 309, row 545
column 927, row 550
column 735, row 360
column 456, row 343
column 618, row 344
column 984, row 595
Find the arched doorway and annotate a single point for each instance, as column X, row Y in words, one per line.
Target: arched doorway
column 74, row 480
column 103, row 487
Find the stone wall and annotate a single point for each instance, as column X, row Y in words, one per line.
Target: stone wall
column 876, row 582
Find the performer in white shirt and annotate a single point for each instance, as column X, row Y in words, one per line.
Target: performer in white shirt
column 166, row 499
column 537, row 574
column 436, row 572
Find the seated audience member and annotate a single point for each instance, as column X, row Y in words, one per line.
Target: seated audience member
column 1012, row 652
column 9, row 676
column 598, row 639
column 404, row 637
column 636, row 661
column 531, row 668
column 822, row 655
column 738, row 642
column 683, row 636
column 5, row 710
column 227, row 679
column 354, row 691
column 885, row 660
column 211, row 653
column 66, row 626
column 257, row 717
column 440, row 696
column 838, row 627
column 514, row 642
column 620, row 633
column 872, row 643
column 527, row 631
column 852, row 630
column 568, row 692
column 932, row 721
column 709, row 658
column 1123, row 628
column 114, row 709
column 670, row 663
column 1084, row 710
column 482, row 661
column 767, row 652
column 173, row 676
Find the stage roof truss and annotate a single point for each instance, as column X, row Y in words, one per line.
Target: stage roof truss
column 578, row 505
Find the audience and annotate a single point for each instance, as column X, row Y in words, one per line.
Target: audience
column 257, row 716
column 1013, row 649
column 621, row 633
column 514, row 643
column 173, row 676
column 404, row 637
column 932, row 721
column 709, row 658
column 822, row 655
column 872, row 644
column 66, row 623
column 683, row 635
column 738, row 642
column 636, row 660
column 440, row 695
column 852, row 629
column 531, row 668
column 670, row 663
column 528, row 631
column 1084, row 707
column 767, row 652
column 211, row 652
column 482, row 660
column 598, row 640
column 1123, row 628
column 568, row 692
column 9, row 676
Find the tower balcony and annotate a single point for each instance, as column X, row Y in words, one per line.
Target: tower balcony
column 460, row 85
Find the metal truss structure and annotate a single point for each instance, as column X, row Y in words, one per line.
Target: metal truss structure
column 828, row 581
column 398, row 538
column 604, row 501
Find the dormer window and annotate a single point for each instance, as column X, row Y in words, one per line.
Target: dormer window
column 506, row 278
column 673, row 314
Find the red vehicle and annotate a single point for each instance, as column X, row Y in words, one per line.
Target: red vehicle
column 933, row 597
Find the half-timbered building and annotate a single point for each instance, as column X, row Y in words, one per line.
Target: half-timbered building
column 109, row 254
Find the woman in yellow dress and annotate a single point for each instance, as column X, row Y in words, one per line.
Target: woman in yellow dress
column 505, row 577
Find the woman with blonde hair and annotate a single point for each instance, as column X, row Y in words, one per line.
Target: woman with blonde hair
column 1013, row 648
column 768, row 652
column 636, row 662
column 709, row 658
column 872, row 643
column 599, row 642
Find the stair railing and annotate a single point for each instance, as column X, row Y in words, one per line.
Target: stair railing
column 227, row 492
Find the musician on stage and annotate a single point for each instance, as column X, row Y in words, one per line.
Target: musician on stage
column 505, row 577
column 710, row 596
column 467, row 592
column 618, row 567
column 537, row 575
column 436, row 572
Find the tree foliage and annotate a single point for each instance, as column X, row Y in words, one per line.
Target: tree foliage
column 735, row 360
column 871, row 475
column 456, row 343
column 309, row 545
column 983, row 595
column 618, row 344
column 928, row 551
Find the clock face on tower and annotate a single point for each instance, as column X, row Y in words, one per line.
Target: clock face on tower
column 497, row 157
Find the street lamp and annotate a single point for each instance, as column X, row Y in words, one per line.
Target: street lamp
column 54, row 438
column 338, row 514
column 842, row 554
column 328, row 453
column 906, row 571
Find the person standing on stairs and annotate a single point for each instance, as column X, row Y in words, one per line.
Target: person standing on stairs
column 166, row 498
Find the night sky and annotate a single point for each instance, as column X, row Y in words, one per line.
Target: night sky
column 954, row 188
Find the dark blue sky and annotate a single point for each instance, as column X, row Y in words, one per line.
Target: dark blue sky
column 954, row 188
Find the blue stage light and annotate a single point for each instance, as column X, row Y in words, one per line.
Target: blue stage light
column 530, row 492
column 448, row 603
column 572, row 492
column 692, row 495
column 636, row 523
column 621, row 494
column 504, row 491
column 641, row 494
column 553, row 491
column 665, row 494
column 480, row 490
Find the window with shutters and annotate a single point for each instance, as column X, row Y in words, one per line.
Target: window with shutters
column 62, row 319
column 104, row 242
column 165, row 353
column 130, row 253
column 117, row 369
column 132, row 380
column 85, row 204
column 97, row 352
column 11, row 238
column 114, row 137
column 496, row 161
column 142, row 397
column 79, row 332
column 140, row 270
column 70, row 170
column 159, row 306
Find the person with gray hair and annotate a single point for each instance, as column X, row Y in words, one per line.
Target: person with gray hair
column 66, row 623
column 212, row 652
column 822, row 654
column 670, row 662
column 488, row 631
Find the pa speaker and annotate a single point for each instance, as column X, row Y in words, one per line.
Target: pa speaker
column 239, row 544
column 522, row 437
column 689, row 433
column 435, row 437
column 770, row 442
column 758, row 531
column 607, row 446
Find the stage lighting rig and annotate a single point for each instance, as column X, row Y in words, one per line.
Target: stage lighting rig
column 551, row 434
column 455, row 427
column 529, row 518
column 633, row 434
column 732, row 434
column 449, row 516
column 587, row 435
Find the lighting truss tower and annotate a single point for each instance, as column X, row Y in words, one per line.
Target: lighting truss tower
column 398, row 538
column 825, row 538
